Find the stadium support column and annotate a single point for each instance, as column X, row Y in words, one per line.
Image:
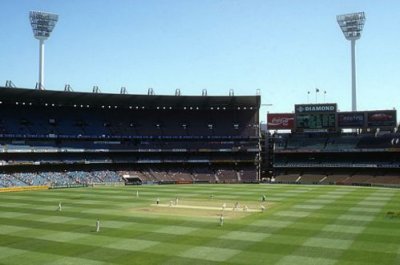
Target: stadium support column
column 41, row 64
column 353, row 76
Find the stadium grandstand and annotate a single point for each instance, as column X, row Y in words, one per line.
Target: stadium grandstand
column 59, row 138
column 65, row 138
column 319, row 145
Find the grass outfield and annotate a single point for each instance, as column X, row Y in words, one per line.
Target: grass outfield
column 320, row 225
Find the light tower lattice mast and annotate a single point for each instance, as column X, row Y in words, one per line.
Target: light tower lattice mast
column 42, row 25
column 352, row 26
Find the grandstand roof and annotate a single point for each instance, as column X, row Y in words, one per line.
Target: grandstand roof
column 39, row 97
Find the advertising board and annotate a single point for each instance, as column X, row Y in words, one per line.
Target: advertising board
column 381, row 118
column 351, row 119
column 280, row 121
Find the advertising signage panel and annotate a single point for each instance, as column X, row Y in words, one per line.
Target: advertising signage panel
column 324, row 117
column 351, row 119
column 381, row 118
column 315, row 108
column 280, row 121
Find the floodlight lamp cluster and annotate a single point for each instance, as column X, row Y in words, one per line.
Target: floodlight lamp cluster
column 42, row 24
column 351, row 25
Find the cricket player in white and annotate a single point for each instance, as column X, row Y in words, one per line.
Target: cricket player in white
column 97, row 225
column 137, row 194
column 59, row 207
column 262, row 208
column 221, row 220
column 236, row 206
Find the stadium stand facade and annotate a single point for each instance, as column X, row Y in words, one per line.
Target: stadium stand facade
column 58, row 138
column 319, row 150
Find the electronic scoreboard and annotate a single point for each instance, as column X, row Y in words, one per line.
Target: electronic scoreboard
column 315, row 117
column 316, row 121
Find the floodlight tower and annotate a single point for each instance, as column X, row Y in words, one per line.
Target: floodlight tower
column 352, row 26
column 42, row 25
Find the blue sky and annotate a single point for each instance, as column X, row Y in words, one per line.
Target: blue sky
column 282, row 47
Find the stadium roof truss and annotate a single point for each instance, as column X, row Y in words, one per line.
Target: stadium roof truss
column 69, row 98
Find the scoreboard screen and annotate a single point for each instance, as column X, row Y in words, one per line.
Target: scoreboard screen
column 315, row 121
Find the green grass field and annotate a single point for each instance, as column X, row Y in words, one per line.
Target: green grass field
column 320, row 225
